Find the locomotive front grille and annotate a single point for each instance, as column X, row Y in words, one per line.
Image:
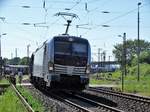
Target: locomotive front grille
column 70, row 70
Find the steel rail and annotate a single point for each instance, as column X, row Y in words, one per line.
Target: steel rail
column 123, row 95
column 83, row 109
column 27, row 106
column 99, row 104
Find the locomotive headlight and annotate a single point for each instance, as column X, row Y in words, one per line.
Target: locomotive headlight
column 88, row 69
column 70, row 39
column 50, row 66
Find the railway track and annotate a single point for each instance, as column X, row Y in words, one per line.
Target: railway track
column 126, row 102
column 84, row 104
column 25, row 103
column 122, row 95
column 70, row 103
column 81, row 103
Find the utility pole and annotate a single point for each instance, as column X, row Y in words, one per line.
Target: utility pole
column 138, row 43
column 124, row 60
column 104, row 58
column 11, row 55
column 16, row 52
column 104, row 61
column 99, row 49
column 101, row 59
column 0, row 41
column 124, row 44
column 109, row 62
column 124, row 71
column 1, row 54
column 28, row 50
column 28, row 56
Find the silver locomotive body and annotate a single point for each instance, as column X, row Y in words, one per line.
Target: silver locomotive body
column 62, row 63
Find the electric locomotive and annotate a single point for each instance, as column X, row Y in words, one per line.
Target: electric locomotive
column 62, row 63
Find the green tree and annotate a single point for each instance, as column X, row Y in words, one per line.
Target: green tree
column 145, row 57
column 5, row 61
column 131, row 50
column 24, row 61
column 14, row 61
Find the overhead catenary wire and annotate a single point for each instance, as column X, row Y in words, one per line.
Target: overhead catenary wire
column 76, row 3
column 96, row 8
column 46, row 11
column 88, row 11
column 62, row 2
column 90, row 1
column 20, row 29
column 52, row 22
column 93, row 1
column 115, row 18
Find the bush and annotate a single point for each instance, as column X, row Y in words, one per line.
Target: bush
column 145, row 57
column 144, row 69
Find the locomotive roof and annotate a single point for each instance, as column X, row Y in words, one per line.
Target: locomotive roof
column 66, row 37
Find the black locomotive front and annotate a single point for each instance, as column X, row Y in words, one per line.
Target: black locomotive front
column 71, row 62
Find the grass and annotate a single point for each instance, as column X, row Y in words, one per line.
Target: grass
column 101, row 81
column 25, row 77
column 36, row 104
column 9, row 102
column 131, row 84
column 104, row 78
column 4, row 81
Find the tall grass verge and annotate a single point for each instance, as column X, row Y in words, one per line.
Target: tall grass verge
column 35, row 103
column 9, row 102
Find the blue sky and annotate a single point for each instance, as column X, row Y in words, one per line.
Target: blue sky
column 122, row 17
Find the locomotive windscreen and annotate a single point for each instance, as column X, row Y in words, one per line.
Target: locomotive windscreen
column 79, row 49
column 70, row 53
column 74, row 49
column 62, row 48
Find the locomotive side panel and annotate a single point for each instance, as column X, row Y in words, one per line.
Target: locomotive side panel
column 38, row 63
column 48, row 58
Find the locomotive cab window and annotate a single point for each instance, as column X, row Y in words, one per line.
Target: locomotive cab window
column 79, row 49
column 62, row 48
